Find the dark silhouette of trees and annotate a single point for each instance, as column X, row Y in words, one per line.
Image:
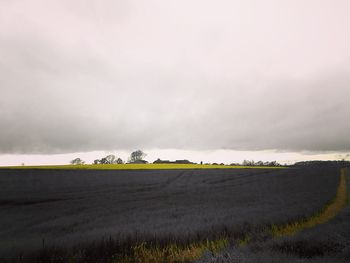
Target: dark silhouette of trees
column 77, row 161
column 162, row 161
column 175, row 162
column 248, row 163
column 103, row 161
column 137, row 157
column 183, row 161
column 329, row 163
column 109, row 159
column 259, row 163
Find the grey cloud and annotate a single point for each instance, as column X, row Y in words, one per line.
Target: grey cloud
column 99, row 81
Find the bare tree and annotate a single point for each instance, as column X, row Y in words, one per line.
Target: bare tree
column 110, row 158
column 137, row 156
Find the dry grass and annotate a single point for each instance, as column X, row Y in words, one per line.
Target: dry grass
column 171, row 253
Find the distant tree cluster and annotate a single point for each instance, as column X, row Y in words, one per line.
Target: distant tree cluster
column 175, row 162
column 323, row 163
column 109, row 159
column 135, row 157
column 77, row 161
column 217, row 164
column 138, row 157
column 260, row 163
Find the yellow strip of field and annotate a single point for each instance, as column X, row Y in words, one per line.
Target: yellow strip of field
column 139, row 167
column 329, row 212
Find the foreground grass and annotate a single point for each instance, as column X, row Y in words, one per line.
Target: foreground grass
column 138, row 167
column 329, row 212
column 130, row 251
column 172, row 253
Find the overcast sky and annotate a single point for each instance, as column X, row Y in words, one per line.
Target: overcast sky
column 198, row 76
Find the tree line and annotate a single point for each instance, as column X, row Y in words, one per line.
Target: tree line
column 135, row 157
column 138, row 157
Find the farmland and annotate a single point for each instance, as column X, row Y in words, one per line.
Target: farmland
column 324, row 237
column 97, row 210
